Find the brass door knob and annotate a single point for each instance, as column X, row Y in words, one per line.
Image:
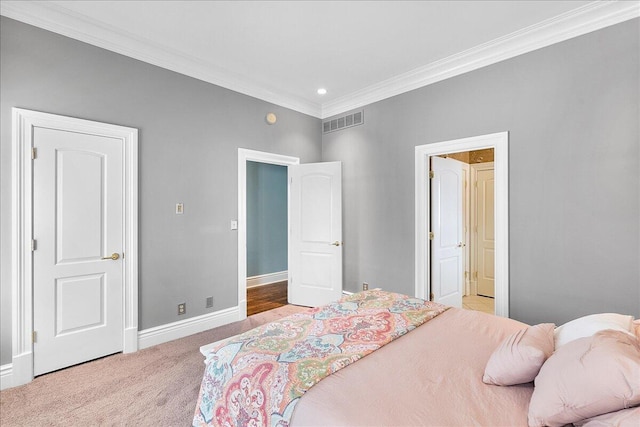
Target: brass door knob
column 336, row 243
column 114, row 256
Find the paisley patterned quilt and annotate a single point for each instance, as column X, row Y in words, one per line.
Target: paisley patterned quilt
column 256, row 378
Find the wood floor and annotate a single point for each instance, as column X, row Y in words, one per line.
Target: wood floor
column 266, row 297
column 479, row 303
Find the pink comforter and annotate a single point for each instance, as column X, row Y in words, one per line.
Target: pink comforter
column 257, row 378
column 430, row 377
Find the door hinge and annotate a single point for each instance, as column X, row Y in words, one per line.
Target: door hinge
column 431, row 174
column 431, row 235
column 34, row 244
column 431, row 296
column 34, row 336
column 34, row 153
column 466, row 274
column 475, row 275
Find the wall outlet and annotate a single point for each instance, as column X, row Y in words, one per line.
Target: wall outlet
column 182, row 308
column 179, row 208
column 365, row 286
column 209, row 302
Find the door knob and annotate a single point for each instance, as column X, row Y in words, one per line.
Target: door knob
column 460, row 245
column 114, row 256
column 336, row 243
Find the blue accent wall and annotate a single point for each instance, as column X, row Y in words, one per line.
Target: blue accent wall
column 266, row 218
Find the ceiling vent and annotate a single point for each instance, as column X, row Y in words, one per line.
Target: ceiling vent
column 343, row 122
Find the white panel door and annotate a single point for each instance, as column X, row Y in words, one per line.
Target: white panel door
column 486, row 235
column 315, row 242
column 447, row 258
column 77, row 223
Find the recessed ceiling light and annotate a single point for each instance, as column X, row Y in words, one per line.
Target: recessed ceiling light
column 322, row 91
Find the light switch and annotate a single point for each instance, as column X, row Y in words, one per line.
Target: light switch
column 234, row 224
column 179, row 208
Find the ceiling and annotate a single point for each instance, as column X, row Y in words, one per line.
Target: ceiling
column 283, row 51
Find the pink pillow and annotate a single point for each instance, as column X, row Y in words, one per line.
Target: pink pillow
column 624, row 418
column 518, row 358
column 587, row 377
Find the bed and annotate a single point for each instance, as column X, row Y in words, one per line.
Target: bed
column 430, row 373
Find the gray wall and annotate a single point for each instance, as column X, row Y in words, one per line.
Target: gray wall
column 572, row 111
column 189, row 135
column 267, row 218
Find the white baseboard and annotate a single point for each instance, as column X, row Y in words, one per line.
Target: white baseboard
column 266, row 279
column 172, row 331
column 6, row 376
column 146, row 338
column 130, row 340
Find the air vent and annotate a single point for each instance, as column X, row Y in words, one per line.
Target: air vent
column 343, row 122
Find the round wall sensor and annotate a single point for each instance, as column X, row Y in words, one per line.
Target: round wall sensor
column 271, row 118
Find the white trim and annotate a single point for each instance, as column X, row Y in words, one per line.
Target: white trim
column 245, row 155
column 498, row 141
column 157, row 335
column 21, row 263
column 267, row 279
column 582, row 20
column 182, row 328
column 6, row 376
column 59, row 19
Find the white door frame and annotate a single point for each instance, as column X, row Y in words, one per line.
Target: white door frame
column 499, row 142
column 244, row 156
column 21, row 220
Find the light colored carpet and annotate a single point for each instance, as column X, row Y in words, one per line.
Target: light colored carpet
column 157, row 386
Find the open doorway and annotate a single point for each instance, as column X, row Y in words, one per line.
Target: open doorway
column 314, row 195
column 424, row 153
column 267, row 224
column 244, row 158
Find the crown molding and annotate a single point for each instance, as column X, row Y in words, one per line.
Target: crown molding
column 591, row 17
column 583, row 20
column 60, row 20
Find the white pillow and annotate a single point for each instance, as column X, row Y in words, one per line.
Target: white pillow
column 588, row 325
